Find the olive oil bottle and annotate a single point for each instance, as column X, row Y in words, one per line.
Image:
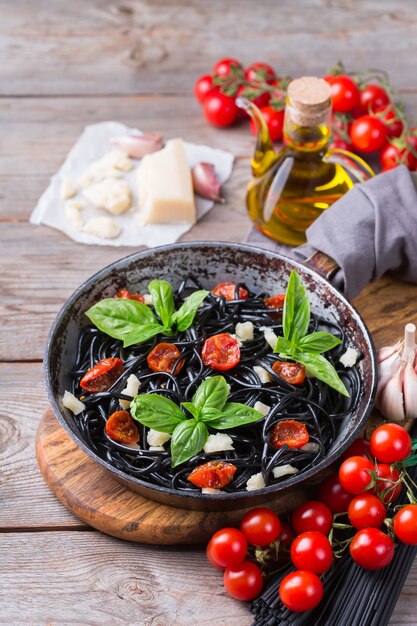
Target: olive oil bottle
column 290, row 189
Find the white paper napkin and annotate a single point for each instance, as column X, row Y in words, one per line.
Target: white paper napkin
column 92, row 145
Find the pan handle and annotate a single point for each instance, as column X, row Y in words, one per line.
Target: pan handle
column 322, row 264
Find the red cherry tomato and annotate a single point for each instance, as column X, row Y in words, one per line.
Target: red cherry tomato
column 301, row 591
column 225, row 66
column 312, row 516
column 274, row 120
column 312, row 551
column 286, row 536
column 373, row 98
column 214, row 474
column 388, row 485
column 292, row 373
column 360, row 447
column 412, row 141
column 163, row 357
column 289, row 433
column 243, row 581
column 368, row 134
column 371, row 549
column 265, row 71
column 260, row 526
column 390, row 443
column 341, row 144
column 221, row 352
column 227, row 546
column 228, row 291
column 121, row 428
column 275, row 302
column 343, row 92
column 102, row 375
column 332, row 494
column 393, row 125
column 209, row 556
column 405, row 524
column 219, row 109
column 125, row 294
column 366, row 510
column 391, row 156
column 203, row 86
column 354, row 474
column 262, row 100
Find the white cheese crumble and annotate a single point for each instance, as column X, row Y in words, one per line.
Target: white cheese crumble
column 311, row 446
column 67, row 189
column 210, row 490
column 284, row 470
column 102, row 227
column 72, row 403
column 156, row 439
column 244, row 331
column 349, row 358
column 111, row 164
column 263, row 374
column 218, row 443
column 156, row 448
column 131, row 389
column 148, row 299
column 261, row 407
column 72, row 213
column 270, row 336
column 256, row 481
column 111, row 194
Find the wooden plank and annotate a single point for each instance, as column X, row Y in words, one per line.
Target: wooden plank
column 143, row 46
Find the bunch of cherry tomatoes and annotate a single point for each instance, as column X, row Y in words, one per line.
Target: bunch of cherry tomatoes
column 367, row 119
column 369, row 480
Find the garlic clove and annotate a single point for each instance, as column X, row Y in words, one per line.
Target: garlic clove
column 387, row 369
column 387, row 351
column 136, row 145
column 410, row 391
column 391, row 402
column 205, row 182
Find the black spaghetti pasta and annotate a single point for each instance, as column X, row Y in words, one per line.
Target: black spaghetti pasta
column 315, row 404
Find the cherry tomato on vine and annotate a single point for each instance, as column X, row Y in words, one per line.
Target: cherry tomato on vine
column 341, row 144
column 203, row 86
column 221, row 352
column 387, row 486
column 219, row 109
column 214, row 474
column 251, row 73
column 405, row 524
column 312, row 516
column 260, row 526
column 373, row 98
column 390, row 443
column 354, row 474
column 243, row 581
column 412, row 141
column 344, row 93
column 289, row 433
column 366, row 510
column 301, row 591
column 312, row 551
column 274, row 120
column 393, row 125
column 332, row 494
column 163, row 357
column 360, row 447
column 227, row 546
column 228, row 291
column 391, row 156
column 121, row 428
column 292, row 373
column 260, row 100
column 368, row 134
column 371, row 549
column 126, row 295
column 225, row 66
column 102, row 375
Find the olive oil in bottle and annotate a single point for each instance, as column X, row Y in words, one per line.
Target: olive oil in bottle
column 291, row 189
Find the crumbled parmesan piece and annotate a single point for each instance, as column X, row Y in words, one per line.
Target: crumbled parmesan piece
column 147, row 299
column 72, row 403
column 349, row 358
column 131, row 389
column 270, row 336
column 67, row 189
column 284, row 470
column 263, row 374
column 156, row 448
column 111, row 165
column 244, row 331
column 210, row 490
column 218, row 443
column 72, row 213
column 157, row 439
column 103, row 227
column 111, row 194
column 311, row 446
column 256, row 481
column 261, row 407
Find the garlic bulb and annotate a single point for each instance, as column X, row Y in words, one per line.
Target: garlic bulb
column 397, row 388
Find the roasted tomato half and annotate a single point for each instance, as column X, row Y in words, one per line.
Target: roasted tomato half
column 293, row 373
column 228, row 291
column 121, row 428
column 163, row 357
column 214, row 474
column 291, row 433
column 221, row 352
column 124, row 293
column 275, row 302
column 102, row 375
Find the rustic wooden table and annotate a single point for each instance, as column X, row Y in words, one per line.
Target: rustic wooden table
column 67, row 64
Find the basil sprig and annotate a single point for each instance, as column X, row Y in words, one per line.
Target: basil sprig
column 208, row 406
column 133, row 322
column 305, row 348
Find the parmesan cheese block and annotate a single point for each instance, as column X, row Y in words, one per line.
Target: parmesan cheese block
column 165, row 187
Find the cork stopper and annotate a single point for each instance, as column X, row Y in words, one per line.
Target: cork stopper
column 310, row 99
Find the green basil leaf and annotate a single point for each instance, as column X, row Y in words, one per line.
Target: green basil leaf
column 185, row 315
column 296, row 313
column 211, row 394
column 130, row 321
column 157, row 412
column 318, row 342
column 317, row 365
column 188, row 439
column 282, row 345
column 162, row 300
column 192, row 409
column 236, row 414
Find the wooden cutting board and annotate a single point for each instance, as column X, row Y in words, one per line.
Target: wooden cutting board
column 97, row 499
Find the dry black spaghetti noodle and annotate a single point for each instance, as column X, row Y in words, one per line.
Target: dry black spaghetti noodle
column 314, row 403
